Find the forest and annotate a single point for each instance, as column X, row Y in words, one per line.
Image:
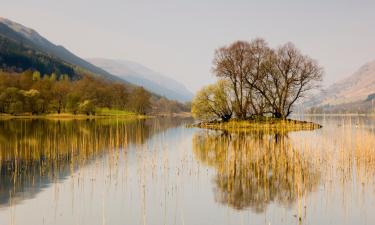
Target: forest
column 19, row 57
column 31, row 93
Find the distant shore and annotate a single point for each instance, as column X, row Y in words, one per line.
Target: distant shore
column 72, row 116
column 173, row 115
column 99, row 114
column 339, row 114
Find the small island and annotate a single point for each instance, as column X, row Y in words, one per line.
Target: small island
column 257, row 88
column 267, row 124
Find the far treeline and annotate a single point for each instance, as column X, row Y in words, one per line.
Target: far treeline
column 29, row 92
column 366, row 106
column 256, row 80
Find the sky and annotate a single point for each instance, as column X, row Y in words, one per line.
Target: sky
column 178, row 38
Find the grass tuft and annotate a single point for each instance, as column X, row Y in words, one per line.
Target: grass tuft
column 260, row 123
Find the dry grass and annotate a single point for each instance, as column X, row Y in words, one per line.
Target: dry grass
column 263, row 124
column 263, row 165
column 252, row 169
column 100, row 113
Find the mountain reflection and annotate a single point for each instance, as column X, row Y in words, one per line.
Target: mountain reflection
column 255, row 169
column 35, row 153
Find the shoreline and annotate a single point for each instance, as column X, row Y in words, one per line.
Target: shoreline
column 96, row 116
column 73, row 116
column 338, row 114
column 263, row 124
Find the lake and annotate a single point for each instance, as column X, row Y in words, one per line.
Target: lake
column 158, row 171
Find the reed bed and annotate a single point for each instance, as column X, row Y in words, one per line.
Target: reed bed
column 251, row 169
column 255, row 169
column 258, row 167
column 37, row 152
column 262, row 124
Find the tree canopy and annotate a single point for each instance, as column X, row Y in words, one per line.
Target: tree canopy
column 262, row 80
column 213, row 101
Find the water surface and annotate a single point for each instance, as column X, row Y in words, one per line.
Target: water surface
column 157, row 171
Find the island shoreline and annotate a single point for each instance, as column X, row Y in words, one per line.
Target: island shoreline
column 259, row 124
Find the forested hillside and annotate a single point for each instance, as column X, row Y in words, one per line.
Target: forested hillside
column 29, row 92
column 38, row 77
column 26, row 41
column 18, row 57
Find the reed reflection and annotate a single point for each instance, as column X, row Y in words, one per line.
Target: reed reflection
column 35, row 153
column 255, row 169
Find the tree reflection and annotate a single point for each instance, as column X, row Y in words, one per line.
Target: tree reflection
column 255, row 169
column 35, row 153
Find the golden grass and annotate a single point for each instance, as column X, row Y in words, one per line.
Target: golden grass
column 42, row 150
column 260, row 166
column 264, row 124
column 253, row 169
column 101, row 113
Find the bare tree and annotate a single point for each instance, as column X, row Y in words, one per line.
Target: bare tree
column 262, row 80
column 231, row 63
column 288, row 76
column 258, row 62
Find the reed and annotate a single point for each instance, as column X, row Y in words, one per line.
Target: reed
column 36, row 152
column 264, row 124
column 256, row 168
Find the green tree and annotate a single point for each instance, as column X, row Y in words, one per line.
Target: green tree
column 31, row 101
column 60, row 90
column 36, row 76
column 11, row 100
column 44, row 86
column 140, row 101
column 119, row 95
column 15, row 107
column 213, row 102
column 87, row 107
column 26, row 79
column 72, row 103
column 64, row 77
column 53, row 77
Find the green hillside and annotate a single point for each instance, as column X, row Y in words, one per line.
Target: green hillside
column 24, row 48
column 18, row 57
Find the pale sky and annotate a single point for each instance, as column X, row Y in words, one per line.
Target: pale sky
column 178, row 38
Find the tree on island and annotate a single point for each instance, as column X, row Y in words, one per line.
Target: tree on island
column 261, row 80
column 213, row 101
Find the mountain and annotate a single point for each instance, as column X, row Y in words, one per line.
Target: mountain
column 140, row 75
column 23, row 48
column 353, row 93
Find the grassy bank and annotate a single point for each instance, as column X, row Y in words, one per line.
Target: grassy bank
column 99, row 113
column 264, row 124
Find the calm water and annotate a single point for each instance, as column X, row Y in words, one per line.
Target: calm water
column 159, row 172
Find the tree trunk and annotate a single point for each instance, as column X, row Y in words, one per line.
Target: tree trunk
column 277, row 115
column 226, row 118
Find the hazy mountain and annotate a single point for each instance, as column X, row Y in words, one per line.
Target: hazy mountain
column 140, row 75
column 356, row 91
column 22, row 48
